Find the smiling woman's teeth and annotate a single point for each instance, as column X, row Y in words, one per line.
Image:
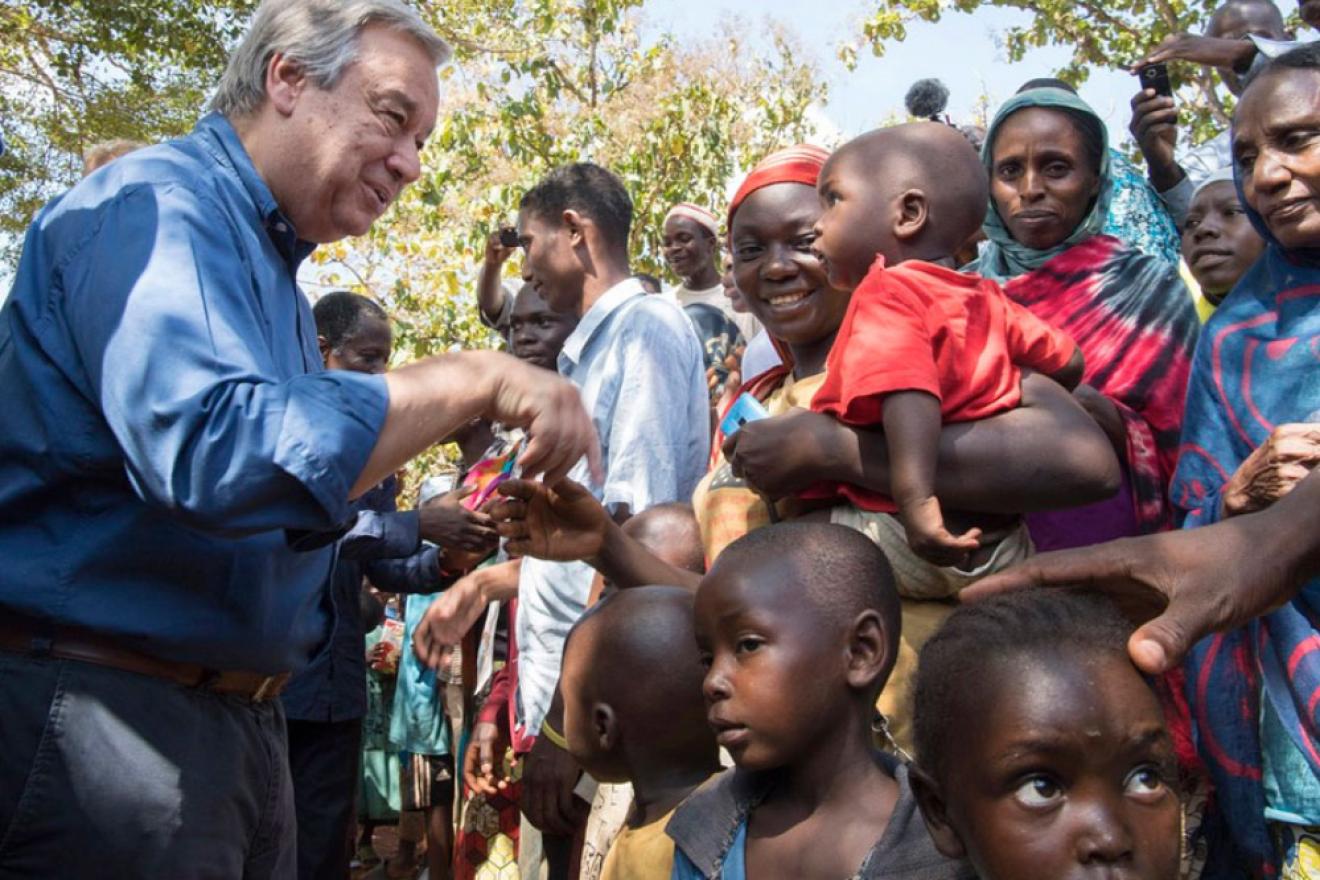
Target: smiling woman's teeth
column 786, row 299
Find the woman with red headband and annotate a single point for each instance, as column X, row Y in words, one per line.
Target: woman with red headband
column 1047, row 453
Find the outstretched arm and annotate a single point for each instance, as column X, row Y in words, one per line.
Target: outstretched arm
column 429, row 399
column 565, row 522
column 1188, row 584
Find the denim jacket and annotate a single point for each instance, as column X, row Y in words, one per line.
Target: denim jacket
column 709, row 831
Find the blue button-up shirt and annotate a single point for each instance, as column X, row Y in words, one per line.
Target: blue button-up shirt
column 384, row 546
column 167, row 417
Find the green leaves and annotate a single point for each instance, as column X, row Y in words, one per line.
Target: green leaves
column 1100, row 33
column 77, row 72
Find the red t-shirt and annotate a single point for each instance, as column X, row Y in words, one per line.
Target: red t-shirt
column 922, row 327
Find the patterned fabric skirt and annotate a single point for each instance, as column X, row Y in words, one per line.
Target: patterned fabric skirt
column 486, row 846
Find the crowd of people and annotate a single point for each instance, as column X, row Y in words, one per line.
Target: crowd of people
column 738, row 577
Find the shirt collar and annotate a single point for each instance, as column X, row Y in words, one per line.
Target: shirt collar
column 595, row 318
column 223, row 143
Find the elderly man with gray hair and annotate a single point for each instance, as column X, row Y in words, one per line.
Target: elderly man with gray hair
column 170, row 439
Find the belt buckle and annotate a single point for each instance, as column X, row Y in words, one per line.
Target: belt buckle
column 266, row 688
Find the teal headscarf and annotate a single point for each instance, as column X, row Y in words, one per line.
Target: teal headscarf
column 1003, row 257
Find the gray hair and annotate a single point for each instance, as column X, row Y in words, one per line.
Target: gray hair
column 321, row 36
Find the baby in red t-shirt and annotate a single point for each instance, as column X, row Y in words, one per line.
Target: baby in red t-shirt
column 921, row 344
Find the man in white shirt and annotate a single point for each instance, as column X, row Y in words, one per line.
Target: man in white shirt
column 691, row 246
column 639, row 366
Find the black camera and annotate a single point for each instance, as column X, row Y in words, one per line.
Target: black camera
column 508, row 237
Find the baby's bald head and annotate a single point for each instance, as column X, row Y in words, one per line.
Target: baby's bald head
column 914, row 191
column 935, row 159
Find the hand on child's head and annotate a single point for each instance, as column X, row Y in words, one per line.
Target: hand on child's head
column 1071, row 767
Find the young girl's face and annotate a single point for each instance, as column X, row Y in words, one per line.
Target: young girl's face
column 1218, row 241
column 1276, row 148
column 1069, row 776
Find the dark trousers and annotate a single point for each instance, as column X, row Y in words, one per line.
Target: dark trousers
column 105, row 773
column 324, row 759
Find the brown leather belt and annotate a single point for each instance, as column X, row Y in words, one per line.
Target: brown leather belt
column 35, row 639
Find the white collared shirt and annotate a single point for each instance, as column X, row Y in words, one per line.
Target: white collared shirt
column 638, row 364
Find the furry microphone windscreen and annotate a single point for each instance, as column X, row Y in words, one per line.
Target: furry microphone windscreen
column 927, row 99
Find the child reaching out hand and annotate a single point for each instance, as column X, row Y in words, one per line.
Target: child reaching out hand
column 920, row 344
column 798, row 625
column 1042, row 751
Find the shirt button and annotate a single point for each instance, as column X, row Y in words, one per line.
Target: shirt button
column 281, row 227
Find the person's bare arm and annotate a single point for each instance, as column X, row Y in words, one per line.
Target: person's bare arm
column 490, row 287
column 1044, row 455
column 1188, row 584
column 429, row 399
column 450, row 616
column 1073, row 371
column 565, row 522
column 1200, row 49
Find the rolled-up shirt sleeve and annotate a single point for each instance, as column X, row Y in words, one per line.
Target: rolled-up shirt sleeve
column 179, row 352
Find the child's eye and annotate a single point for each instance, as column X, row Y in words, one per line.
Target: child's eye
column 1038, row 792
column 747, row 252
column 706, row 659
column 1145, row 783
column 748, row 645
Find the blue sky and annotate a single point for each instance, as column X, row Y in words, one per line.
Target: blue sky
column 962, row 50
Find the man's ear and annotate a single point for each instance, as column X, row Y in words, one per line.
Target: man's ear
column 285, row 82
column 324, row 345
column 575, row 227
column 911, row 213
column 868, row 651
column 604, row 727
column 935, row 813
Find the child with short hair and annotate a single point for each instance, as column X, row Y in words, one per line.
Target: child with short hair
column 1042, row 751
column 798, row 624
column 670, row 531
column 921, row 344
column 654, row 737
column 1219, row 244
